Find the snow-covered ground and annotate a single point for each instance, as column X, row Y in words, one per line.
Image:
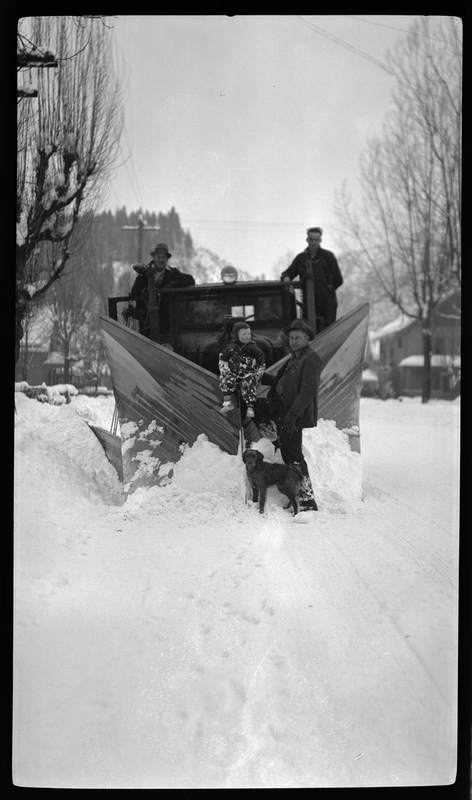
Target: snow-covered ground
column 180, row 639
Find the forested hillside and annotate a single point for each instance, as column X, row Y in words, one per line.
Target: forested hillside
column 113, row 244
column 116, row 244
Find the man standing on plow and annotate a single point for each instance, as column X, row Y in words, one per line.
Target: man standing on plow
column 326, row 278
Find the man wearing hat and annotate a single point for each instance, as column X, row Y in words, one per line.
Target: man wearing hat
column 164, row 276
column 326, row 277
column 293, row 402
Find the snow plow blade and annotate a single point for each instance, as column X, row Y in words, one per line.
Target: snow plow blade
column 111, row 443
column 165, row 401
column 341, row 348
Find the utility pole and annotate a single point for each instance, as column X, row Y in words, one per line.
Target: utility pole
column 153, row 307
column 140, row 227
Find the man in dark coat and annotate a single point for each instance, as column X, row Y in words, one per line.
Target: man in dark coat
column 165, row 276
column 326, row 278
column 293, row 402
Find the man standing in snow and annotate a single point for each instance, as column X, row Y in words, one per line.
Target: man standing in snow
column 326, row 278
column 293, row 402
column 164, row 276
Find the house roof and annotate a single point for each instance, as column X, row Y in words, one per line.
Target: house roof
column 56, row 359
column 436, row 361
column 398, row 324
column 449, row 305
column 369, row 376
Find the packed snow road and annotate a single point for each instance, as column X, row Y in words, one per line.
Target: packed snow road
column 182, row 640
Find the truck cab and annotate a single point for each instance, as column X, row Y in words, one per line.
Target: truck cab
column 197, row 316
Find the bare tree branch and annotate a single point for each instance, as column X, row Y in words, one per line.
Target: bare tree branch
column 68, row 140
column 410, row 233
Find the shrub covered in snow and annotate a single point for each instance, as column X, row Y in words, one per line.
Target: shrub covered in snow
column 58, row 394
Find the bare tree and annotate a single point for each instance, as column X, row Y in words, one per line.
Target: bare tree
column 68, row 139
column 282, row 263
column 76, row 301
column 71, row 304
column 407, row 229
column 95, row 355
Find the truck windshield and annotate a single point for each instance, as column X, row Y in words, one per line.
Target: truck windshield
column 206, row 312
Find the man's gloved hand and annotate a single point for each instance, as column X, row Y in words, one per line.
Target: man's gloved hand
column 289, row 424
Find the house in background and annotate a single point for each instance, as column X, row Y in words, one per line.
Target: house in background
column 41, row 361
column 395, row 353
column 34, row 350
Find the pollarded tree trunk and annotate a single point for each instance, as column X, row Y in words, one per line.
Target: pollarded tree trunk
column 68, row 138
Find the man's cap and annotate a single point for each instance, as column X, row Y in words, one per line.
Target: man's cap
column 162, row 247
column 300, row 325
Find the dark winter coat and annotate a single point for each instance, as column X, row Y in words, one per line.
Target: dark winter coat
column 326, row 279
column 294, row 389
column 170, row 278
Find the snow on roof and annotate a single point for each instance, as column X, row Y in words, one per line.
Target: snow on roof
column 369, row 376
column 397, row 324
column 54, row 358
column 436, row 361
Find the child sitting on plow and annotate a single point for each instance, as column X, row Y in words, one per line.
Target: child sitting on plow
column 241, row 365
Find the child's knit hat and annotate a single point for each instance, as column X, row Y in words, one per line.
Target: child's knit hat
column 237, row 327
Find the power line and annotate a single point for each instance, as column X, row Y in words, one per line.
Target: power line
column 262, row 228
column 253, row 223
column 348, row 46
column 383, row 25
column 379, row 24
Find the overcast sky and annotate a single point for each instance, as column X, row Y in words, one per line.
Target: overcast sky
column 248, row 124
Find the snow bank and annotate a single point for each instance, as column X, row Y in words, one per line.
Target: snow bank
column 205, row 468
column 58, row 394
column 58, row 455
column 335, row 470
column 96, row 409
column 207, row 484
